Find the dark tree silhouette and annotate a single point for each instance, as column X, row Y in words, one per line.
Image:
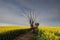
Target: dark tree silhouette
column 32, row 16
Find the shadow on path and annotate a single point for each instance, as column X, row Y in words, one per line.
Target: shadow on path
column 26, row 36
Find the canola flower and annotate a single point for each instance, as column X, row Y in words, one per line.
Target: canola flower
column 9, row 28
column 50, row 32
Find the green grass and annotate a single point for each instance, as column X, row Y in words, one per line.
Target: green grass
column 12, row 34
column 35, row 35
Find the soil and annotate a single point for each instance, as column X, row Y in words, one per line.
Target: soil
column 26, row 36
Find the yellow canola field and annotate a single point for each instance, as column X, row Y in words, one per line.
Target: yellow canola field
column 9, row 28
column 50, row 28
column 51, row 32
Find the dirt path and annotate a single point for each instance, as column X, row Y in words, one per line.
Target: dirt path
column 26, row 36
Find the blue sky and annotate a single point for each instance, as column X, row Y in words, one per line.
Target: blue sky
column 11, row 11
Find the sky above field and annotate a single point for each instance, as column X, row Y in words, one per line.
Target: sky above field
column 11, row 11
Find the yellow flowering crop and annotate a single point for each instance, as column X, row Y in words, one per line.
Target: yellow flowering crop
column 9, row 28
column 53, row 32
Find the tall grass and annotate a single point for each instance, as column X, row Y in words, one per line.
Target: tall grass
column 35, row 34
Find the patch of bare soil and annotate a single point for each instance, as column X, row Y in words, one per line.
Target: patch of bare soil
column 26, row 36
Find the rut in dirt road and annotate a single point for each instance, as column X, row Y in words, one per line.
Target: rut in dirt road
column 26, row 36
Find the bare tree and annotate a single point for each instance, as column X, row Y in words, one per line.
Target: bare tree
column 32, row 16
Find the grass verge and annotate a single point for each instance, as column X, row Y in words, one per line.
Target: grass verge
column 12, row 34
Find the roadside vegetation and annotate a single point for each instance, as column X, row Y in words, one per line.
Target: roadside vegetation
column 42, row 33
column 49, row 33
column 10, row 32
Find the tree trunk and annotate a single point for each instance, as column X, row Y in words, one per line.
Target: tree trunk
column 34, row 28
